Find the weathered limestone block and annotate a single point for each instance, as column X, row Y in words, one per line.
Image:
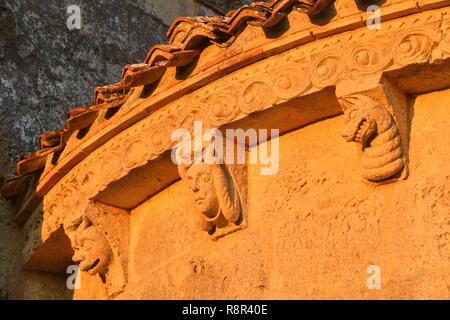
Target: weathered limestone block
column 328, row 226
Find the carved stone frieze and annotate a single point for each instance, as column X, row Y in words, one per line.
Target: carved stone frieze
column 445, row 43
column 297, row 72
column 32, row 229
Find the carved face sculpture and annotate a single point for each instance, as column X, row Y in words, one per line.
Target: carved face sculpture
column 200, row 181
column 359, row 125
column 92, row 251
column 213, row 194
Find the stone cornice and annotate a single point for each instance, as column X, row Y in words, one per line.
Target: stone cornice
column 135, row 108
column 419, row 39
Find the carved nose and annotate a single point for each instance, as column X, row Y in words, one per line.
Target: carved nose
column 195, row 189
column 77, row 257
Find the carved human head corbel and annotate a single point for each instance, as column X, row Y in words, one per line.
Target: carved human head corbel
column 100, row 244
column 373, row 128
column 215, row 196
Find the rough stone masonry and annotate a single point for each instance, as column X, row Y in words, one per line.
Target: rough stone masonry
column 47, row 69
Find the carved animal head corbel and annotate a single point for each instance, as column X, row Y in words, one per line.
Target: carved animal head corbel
column 373, row 128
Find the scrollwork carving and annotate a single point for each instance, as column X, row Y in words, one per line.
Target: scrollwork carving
column 255, row 88
column 327, row 68
column 160, row 139
column 414, row 46
column 291, row 81
column 369, row 57
column 223, row 108
column 256, row 94
column 446, row 37
column 135, row 155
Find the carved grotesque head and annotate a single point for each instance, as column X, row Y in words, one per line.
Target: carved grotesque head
column 99, row 236
column 93, row 253
column 371, row 125
column 360, row 126
column 209, row 186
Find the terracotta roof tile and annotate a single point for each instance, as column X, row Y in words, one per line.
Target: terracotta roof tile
column 187, row 37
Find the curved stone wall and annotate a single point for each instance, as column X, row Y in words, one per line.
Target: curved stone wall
column 329, row 212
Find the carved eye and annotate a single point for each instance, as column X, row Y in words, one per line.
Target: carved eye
column 206, row 178
column 75, row 224
column 87, row 223
column 352, row 114
column 87, row 244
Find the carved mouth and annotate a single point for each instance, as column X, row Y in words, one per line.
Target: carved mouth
column 83, row 263
column 91, row 269
column 361, row 131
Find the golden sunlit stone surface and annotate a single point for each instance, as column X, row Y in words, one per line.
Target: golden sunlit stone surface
column 362, row 178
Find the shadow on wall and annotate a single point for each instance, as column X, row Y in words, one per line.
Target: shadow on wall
column 325, row 16
column 330, row 12
column 364, row 4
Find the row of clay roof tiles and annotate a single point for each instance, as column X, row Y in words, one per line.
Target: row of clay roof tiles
column 187, row 37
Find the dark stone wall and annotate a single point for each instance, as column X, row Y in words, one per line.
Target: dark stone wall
column 226, row 5
column 47, row 69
